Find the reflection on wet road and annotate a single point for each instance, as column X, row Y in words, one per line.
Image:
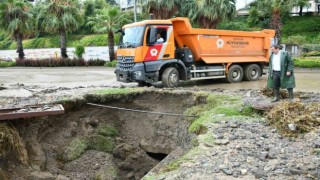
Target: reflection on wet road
column 307, row 80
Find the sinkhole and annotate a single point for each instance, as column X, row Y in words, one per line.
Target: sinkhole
column 91, row 142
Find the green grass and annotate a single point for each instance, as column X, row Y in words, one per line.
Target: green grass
column 107, row 130
column 307, row 62
column 76, row 147
column 308, row 27
column 185, row 158
column 217, row 104
column 101, row 143
column 4, row 64
column 117, row 91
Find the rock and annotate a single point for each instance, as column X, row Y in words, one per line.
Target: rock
column 222, row 141
column 258, row 173
column 316, row 143
column 292, row 127
column 244, row 171
column 218, row 136
column 96, row 167
column 234, row 125
column 263, row 156
column 42, row 175
column 62, row 177
column 227, row 171
column 295, row 171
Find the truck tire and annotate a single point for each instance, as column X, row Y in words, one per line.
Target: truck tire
column 252, row 72
column 235, row 74
column 170, row 77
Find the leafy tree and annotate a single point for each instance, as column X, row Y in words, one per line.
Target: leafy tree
column 107, row 21
column 61, row 16
column 211, row 12
column 16, row 19
column 161, row 9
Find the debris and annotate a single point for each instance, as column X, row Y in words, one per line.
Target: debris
column 295, row 117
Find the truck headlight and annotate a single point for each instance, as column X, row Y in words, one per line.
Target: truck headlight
column 137, row 74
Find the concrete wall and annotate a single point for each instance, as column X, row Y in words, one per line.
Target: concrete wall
column 101, row 53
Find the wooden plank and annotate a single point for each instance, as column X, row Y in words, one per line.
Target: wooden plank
column 31, row 111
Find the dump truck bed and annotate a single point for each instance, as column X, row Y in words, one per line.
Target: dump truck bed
column 223, row 46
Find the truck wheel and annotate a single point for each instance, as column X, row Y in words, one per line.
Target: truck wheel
column 235, row 74
column 170, row 77
column 252, row 72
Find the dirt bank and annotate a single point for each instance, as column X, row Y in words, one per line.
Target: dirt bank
column 91, row 142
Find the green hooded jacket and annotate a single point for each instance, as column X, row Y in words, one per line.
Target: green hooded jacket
column 286, row 66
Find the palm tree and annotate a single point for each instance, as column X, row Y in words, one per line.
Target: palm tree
column 277, row 8
column 161, row 9
column 107, row 21
column 16, row 19
column 209, row 13
column 61, row 16
column 301, row 4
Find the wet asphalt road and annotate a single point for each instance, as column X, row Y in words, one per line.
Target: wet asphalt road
column 307, row 80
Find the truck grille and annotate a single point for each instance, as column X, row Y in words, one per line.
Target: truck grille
column 125, row 63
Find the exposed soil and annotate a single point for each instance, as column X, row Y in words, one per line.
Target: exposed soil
column 75, row 146
column 141, row 142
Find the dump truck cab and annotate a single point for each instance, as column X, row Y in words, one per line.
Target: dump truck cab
column 141, row 55
column 171, row 50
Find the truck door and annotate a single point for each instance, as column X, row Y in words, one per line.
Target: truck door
column 163, row 48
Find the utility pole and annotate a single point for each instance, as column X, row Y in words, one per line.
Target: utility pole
column 135, row 10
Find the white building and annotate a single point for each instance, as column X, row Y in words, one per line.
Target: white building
column 313, row 7
column 126, row 5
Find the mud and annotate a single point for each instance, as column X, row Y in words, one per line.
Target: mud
column 141, row 140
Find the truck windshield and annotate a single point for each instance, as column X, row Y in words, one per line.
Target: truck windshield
column 132, row 37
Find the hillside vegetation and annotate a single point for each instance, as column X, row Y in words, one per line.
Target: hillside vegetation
column 296, row 30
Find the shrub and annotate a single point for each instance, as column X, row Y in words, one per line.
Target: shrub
column 111, row 63
column 295, row 40
column 7, row 64
column 79, row 51
column 307, row 63
column 57, row 62
column 97, row 62
column 311, row 54
column 311, row 47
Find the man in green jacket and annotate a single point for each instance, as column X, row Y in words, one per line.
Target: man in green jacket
column 280, row 73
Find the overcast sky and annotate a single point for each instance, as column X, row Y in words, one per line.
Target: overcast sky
column 241, row 3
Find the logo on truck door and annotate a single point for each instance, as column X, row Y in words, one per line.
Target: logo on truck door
column 154, row 52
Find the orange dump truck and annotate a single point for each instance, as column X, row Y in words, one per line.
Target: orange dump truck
column 171, row 50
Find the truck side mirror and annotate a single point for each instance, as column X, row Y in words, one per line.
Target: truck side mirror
column 152, row 36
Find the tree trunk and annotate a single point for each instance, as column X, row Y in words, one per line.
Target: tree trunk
column 300, row 10
column 276, row 24
column 111, row 45
column 63, row 44
column 19, row 46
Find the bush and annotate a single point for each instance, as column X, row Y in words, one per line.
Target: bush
column 111, row 63
column 311, row 47
column 311, row 54
column 7, row 64
column 96, row 62
column 307, row 63
column 58, row 62
column 295, row 40
column 79, row 51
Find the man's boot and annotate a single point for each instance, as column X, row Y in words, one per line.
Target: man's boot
column 290, row 92
column 276, row 93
